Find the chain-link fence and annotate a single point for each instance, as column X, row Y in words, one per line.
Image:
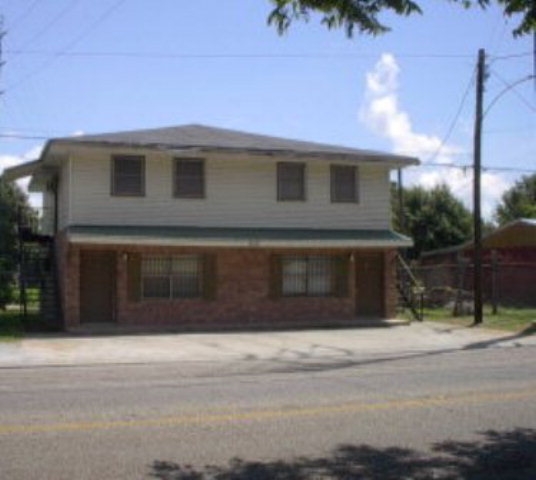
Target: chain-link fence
column 504, row 283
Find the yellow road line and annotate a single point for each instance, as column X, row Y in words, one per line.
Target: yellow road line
column 266, row 414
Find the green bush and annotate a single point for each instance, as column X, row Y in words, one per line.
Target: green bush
column 10, row 325
column 6, row 283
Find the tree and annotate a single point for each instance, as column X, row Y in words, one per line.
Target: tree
column 519, row 201
column 13, row 205
column 433, row 218
column 362, row 15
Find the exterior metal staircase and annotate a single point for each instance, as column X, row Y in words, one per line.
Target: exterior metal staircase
column 410, row 290
column 38, row 279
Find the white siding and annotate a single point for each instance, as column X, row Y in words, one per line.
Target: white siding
column 63, row 195
column 239, row 193
column 47, row 219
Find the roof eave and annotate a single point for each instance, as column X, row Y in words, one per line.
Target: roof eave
column 238, row 243
column 23, row 170
column 395, row 161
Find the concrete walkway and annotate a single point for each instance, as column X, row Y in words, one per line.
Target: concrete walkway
column 301, row 346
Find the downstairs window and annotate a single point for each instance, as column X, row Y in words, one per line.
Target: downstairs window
column 310, row 276
column 167, row 277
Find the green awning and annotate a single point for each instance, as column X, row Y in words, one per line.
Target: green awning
column 235, row 237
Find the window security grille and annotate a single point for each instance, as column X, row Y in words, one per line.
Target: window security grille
column 307, row 276
column 344, row 184
column 171, row 276
column 128, row 175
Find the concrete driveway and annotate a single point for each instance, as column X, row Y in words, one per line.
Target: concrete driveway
column 304, row 346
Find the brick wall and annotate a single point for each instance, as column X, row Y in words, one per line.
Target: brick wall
column 68, row 263
column 242, row 295
column 391, row 292
column 67, row 258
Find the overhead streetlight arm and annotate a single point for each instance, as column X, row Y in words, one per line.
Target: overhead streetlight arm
column 508, row 88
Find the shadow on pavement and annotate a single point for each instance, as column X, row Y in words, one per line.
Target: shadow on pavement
column 488, row 343
column 508, row 455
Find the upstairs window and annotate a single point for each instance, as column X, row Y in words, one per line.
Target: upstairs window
column 290, row 181
column 189, row 178
column 128, row 175
column 344, row 180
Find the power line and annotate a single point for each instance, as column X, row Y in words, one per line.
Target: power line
column 245, row 55
column 69, row 45
column 454, row 120
column 176, row 55
column 470, row 167
column 506, row 131
column 18, row 136
column 508, row 57
column 510, row 169
column 511, row 87
column 24, row 14
column 50, row 24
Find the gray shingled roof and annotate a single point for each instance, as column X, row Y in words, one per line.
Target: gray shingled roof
column 203, row 137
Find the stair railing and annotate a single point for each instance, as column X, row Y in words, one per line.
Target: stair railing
column 410, row 289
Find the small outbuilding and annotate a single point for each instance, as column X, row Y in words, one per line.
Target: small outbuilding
column 509, row 265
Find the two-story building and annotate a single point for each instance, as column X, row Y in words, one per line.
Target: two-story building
column 201, row 227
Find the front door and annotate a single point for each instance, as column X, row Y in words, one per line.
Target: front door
column 369, row 285
column 97, row 286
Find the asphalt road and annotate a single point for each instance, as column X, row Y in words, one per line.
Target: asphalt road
column 459, row 414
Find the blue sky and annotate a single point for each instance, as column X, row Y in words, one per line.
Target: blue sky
column 90, row 66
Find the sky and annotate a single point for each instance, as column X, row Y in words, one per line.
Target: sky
column 92, row 66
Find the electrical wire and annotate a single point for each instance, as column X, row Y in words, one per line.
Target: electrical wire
column 175, row 55
column 69, row 45
column 455, row 119
column 507, row 57
column 50, row 24
column 511, row 87
column 470, row 167
column 23, row 15
column 18, row 136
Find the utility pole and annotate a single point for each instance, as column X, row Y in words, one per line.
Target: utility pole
column 477, row 220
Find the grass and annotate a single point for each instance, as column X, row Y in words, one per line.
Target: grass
column 507, row 318
column 11, row 327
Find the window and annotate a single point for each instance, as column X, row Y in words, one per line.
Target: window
column 290, row 181
column 344, row 184
column 310, row 276
column 189, row 181
column 171, row 276
column 128, row 175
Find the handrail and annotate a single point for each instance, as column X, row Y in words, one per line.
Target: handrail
column 408, row 271
column 411, row 289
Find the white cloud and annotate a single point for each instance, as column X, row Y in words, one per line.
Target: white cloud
column 7, row 161
column 461, row 184
column 382, row 114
